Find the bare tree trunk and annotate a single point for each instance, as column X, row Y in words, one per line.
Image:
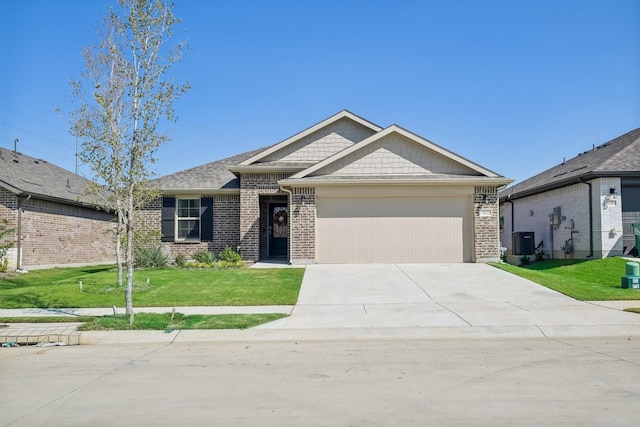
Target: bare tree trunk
column 119, row 249
column 129, row 256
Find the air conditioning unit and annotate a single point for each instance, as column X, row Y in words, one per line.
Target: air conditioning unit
column 523, row 242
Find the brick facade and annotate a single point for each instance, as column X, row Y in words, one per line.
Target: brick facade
column 486, row 224
column 56, row 233
column 532, row 214
column 252, row 186
column 9, row 211
column 226, row 223
column 302, row 244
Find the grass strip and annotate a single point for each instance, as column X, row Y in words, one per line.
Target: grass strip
column 585, row 280
column 156, row 321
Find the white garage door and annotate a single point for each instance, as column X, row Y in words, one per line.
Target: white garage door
column 393, row 229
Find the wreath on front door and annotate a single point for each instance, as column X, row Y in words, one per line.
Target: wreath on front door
column 280, row 217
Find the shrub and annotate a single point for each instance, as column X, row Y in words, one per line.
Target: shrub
column 180, row 260
column 229, row 264
column 205, row 257
column 524, row 260
column 4, row 232
column 230, row 256
column 151, row 257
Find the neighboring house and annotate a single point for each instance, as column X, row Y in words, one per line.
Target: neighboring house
column 342, row 191
column 52, row 227
column 581, row 208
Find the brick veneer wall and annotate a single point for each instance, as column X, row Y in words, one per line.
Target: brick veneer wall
column 9, row 211
column 226, row 223
column 252, row 186
column 302, row 244
column 486, row 226
column 532, row 214
column 57, row 234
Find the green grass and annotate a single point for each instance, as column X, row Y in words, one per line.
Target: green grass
column 156, row 321
column 60, row 288
column 585, row 280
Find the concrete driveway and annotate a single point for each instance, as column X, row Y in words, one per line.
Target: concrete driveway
column 448, row 299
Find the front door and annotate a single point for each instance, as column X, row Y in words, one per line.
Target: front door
column 278, row 229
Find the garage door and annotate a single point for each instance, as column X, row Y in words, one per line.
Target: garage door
column 393, row 229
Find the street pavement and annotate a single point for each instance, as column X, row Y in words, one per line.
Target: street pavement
column 446, row 382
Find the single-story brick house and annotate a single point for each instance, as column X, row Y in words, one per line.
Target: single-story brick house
column 581, row 208
column 342, row 191
column 53, row 227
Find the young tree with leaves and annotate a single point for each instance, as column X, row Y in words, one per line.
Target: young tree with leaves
column 122, row 97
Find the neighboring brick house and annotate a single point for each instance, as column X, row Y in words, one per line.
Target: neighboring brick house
column 581, row 208
column 342, row 191
column 53, row 228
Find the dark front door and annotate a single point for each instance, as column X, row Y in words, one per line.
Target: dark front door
column 278, row 229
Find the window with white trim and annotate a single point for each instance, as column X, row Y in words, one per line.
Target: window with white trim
column 188, row 219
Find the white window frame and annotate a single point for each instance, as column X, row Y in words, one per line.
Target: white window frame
column 178, row 219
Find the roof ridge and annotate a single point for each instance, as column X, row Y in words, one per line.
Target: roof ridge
column 634, row 139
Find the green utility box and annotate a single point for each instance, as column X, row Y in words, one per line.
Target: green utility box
column 631, row 279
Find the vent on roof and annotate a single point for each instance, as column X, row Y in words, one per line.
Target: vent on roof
column 16, row 161
column 560, row 174
column 577, row 169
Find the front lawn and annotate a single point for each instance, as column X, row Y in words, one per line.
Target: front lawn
column 592, row 280
column 170, row 287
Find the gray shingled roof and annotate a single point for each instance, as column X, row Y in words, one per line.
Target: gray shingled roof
column 210, row 176
column 618, row 157
column 25, row 175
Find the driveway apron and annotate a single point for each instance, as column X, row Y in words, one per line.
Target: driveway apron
column 439, row 296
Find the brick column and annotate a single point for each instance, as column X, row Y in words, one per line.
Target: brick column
column 303, row 226
column 486, row 224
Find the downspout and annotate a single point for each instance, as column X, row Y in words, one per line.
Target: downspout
column 290, row 243
column 19, row 243
column 512, row 219
column 590, row 218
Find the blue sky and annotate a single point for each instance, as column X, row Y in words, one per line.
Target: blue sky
column 513, row 85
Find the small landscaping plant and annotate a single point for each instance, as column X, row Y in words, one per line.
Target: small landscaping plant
column 227, row 258
column 151, row 257
column 205, row 257
column 181, row 260
column 229, row 255
column 4, row 248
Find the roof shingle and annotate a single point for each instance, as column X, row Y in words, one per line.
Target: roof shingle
column 25, row 175
column 210, row 176
column 618, row 157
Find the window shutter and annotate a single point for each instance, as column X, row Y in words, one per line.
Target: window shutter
column 206, row 219
column 168, row 219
